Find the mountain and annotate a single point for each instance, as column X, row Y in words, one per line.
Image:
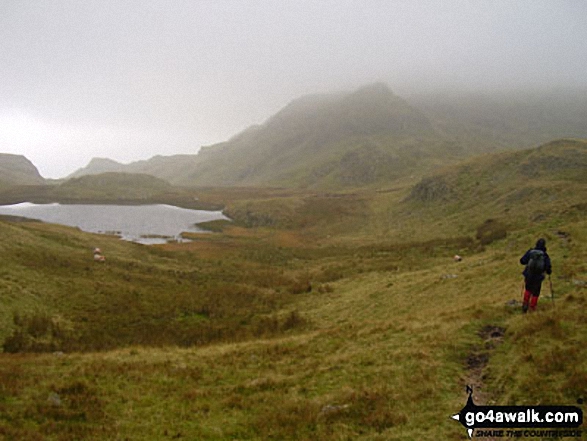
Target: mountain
column 169, row 168
column 368, row 138
column 173, row 168
column 97, row 166
column 353, row 139
column 18, row 170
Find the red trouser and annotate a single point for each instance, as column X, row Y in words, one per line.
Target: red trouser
column 533, row 286
column 531, row 300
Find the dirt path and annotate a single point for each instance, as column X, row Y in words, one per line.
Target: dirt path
column 477, row 361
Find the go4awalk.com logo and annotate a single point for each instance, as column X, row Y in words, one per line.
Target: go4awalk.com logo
column 519, row 421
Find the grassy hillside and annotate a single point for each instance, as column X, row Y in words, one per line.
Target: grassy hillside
column 313, row 316
column 519, row 188
column 114, row 185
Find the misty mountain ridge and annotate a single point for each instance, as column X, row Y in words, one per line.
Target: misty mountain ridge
column 370, row 110
column 320, row 141
column 507, row 119
column 365, row 138
column 327, row 140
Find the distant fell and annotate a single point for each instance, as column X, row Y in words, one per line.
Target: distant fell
column 336, row 140
column 169, row 168
column 174, row 169
column 113, row 186
column 18, row 170
column 97, row 166
column 368, row 138
column 371, row 110
column 324, row 141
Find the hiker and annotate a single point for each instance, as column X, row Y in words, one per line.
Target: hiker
column 537, row 263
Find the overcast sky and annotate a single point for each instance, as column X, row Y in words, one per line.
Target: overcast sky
column 132, row 79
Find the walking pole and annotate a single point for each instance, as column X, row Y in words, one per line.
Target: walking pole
column 551, row 291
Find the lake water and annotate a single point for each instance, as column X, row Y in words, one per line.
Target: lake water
column 137, row 223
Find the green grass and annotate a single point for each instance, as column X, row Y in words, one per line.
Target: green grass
column 345, row 318
column 382, row 356
column 140, row 295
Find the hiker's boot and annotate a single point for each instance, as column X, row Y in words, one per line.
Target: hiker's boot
column 533, row 303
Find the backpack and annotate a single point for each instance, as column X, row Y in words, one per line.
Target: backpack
column 536, row 263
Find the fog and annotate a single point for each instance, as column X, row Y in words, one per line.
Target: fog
column 130, row 80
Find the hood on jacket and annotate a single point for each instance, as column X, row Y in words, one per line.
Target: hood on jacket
column 540, row 244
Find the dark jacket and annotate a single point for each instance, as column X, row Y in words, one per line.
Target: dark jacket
column 526, row 258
